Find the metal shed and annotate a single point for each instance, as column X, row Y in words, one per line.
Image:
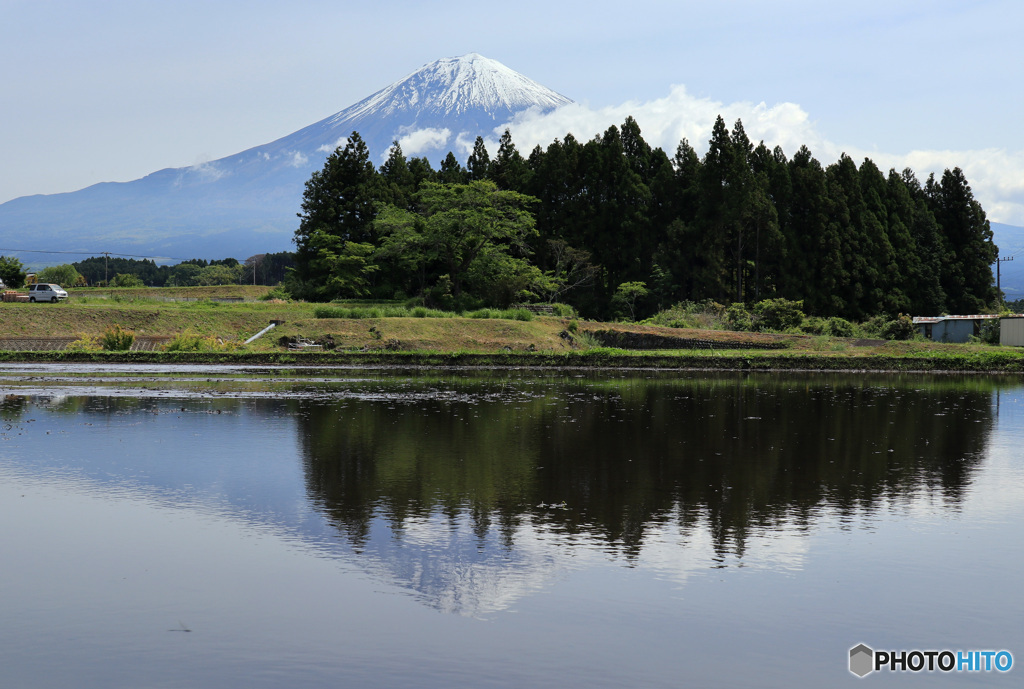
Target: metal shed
column 951, row 328
column 1011, row 331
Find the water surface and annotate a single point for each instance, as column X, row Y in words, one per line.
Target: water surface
column 381, row 529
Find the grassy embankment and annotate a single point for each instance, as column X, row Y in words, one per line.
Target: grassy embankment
column 542, row 341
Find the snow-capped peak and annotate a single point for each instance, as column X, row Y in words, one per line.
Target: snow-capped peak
column 454, row 85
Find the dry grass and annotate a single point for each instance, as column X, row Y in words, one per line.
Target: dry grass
column 149, row 320
column 437, row 334
column 246, row 292
column 238, row 321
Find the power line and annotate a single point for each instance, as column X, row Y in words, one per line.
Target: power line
column 94, row 253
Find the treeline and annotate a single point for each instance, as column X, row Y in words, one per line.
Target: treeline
column 263, row 269
column 616, row 221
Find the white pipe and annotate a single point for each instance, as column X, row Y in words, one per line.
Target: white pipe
column 273, row 324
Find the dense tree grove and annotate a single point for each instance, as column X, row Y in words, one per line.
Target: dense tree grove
column 614, row 217
column 262, row 269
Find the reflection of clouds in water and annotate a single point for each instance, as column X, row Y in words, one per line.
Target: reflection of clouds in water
column 456, row 560
column 676, row 556
column 997, row 492
column 456, row 571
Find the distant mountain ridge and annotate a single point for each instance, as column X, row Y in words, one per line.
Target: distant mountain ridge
column 1010, row 240
column 247, row 203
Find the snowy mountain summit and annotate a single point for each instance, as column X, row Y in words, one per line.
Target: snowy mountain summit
column 441, row 107
column 457, row 85
column 246, row 203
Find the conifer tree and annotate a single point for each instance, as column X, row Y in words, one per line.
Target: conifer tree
column 451, row 171
column 508, row 170
column 398, row 180
column 338, row 206
column 884, row 293
column 970, row 252
column 421, row 172
column 909, row 203
column 478, row 166
column 715, row 226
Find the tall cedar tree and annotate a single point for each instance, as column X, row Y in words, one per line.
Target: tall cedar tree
column 970, row 253
column 339, row 201
column 508, row 170
column 478, row 166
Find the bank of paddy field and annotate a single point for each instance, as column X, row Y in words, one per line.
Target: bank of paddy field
column 449, row 341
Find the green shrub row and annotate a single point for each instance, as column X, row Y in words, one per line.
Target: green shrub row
column 356, row 312
column 779, row 316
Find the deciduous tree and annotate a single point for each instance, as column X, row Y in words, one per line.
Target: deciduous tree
column 457, row 226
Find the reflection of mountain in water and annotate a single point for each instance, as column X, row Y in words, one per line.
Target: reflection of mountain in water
column 472, row 492
column 619, row 462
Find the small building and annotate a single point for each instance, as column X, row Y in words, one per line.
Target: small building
column 1011, row 330
column 951, row 328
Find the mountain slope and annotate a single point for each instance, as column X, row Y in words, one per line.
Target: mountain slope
column 1010, row 240
column 247, row 203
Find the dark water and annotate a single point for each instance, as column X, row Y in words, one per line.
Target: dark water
column 372, row 529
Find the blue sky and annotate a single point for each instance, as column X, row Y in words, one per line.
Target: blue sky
column 111, row 91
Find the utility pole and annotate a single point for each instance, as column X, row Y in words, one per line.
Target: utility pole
column 999, row 277
column 106, row 256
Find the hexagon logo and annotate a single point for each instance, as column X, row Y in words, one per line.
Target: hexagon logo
column 862, row 660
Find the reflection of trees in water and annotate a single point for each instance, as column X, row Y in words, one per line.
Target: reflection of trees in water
column 13, row 407
column 612, row 459
column 410, row 461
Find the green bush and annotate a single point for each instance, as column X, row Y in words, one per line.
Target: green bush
column 357, row 312
column 703, row 315
column 277, row 293
column 334, row 312
column 84, row 343
column 813, row 325
column 834, row 326
column 563, row 311
column 739, row 318
column 899, row 328
column 778, row 314
column 519, row 314
column 126, row 280
column 117, row 339
column 989, row 332
column 588, row 340
column 839, row 327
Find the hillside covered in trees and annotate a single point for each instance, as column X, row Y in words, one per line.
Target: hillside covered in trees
column 587, row 223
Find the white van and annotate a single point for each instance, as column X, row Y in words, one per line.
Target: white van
column 44, row 291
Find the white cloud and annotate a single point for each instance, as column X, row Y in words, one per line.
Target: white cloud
column 207, row 172
column 415, row 142
column 666, row 121
column 464, row 143
column 996, row 175
column 298, row 159
column 330, row 148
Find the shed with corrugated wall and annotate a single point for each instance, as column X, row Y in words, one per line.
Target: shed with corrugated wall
column 951, row 328
column 1011, row 331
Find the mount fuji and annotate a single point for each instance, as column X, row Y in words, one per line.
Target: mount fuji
column 246, row 203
